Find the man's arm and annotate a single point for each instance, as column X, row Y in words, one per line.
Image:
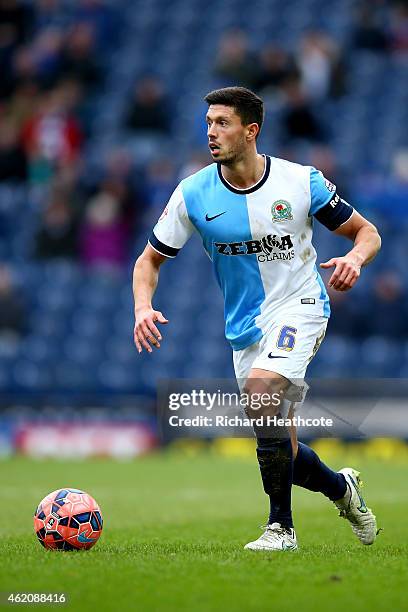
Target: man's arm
column 145, row 279
column 367, row 243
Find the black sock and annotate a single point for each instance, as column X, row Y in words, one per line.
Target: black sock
column 311, row 473
column 275, row 458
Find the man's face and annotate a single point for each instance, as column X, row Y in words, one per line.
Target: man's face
column 227, row 137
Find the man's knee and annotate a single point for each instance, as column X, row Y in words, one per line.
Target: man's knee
column 264, row 395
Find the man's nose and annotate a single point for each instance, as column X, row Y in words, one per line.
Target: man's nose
column 211, row 131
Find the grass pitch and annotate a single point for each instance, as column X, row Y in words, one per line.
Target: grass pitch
column 174, row 532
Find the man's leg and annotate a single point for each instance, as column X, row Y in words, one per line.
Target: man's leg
column 343, row 488
column 311, row 473
column 275, row 459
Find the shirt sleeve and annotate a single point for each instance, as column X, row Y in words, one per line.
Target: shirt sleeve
column 173, row 228
column 325, row 203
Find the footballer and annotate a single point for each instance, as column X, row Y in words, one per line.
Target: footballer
column 254, row 214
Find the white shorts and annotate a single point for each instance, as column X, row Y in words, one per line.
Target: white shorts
column 286, row 348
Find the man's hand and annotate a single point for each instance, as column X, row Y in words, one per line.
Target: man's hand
column 145, row 330
column 347, row 270
column 367, row 243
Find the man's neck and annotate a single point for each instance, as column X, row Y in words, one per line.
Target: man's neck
column 246, row 172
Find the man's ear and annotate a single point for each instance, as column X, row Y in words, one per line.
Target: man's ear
column 252, row 131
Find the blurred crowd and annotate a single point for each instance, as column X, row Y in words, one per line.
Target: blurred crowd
column 53, row 65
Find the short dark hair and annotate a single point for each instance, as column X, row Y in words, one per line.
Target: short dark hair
column 245, row 102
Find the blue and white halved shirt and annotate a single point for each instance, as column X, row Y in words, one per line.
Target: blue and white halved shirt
column 258, row 239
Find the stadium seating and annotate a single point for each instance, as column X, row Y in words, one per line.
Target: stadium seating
column 80, row 322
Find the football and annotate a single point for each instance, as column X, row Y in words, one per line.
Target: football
column 68, row 519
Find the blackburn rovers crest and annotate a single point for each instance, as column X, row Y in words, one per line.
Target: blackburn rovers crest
column 281, row 211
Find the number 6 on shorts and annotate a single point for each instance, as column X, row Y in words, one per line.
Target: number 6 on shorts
column 286, row 340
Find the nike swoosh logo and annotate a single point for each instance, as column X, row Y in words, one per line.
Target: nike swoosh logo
column 277, row 356
column 362, row 508
column 207, row 218
column 83, row 539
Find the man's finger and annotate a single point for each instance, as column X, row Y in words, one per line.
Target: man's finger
column 137, row 343
column 143, row 341
column 344, row 272
column 344, row 284
column 328, row 264
column 160, row 317
column 334, row 277
column 153, row 329
column 340, row 287
column 336, row 284
column 147, row 333
column 350, row 281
